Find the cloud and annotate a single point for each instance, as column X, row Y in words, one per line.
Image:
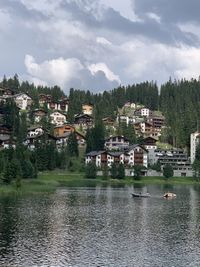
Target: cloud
column 69, row 73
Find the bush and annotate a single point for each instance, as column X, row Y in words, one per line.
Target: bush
column 168, row 171
column 91, row 170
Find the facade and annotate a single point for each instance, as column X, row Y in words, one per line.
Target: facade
column 35, row 131
column 57, row 118
column 39, row 114
column 144, row 112
column 83, row 120
column 149, row 143
column 156, row 121
column 134, row 155
column 87, row 109
column 63, row 130
column 194, row 141
column 116, row 143
column 23, row 101
column 44, row 99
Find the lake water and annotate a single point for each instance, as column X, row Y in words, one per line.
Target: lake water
column 101, row 226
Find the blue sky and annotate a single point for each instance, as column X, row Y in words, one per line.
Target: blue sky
column 98, row 45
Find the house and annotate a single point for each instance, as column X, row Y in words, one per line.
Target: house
column 98, row 157
column 115, row 157
column 64, row 104
column 144, row 112
column 136, row 155
column 149, row 142
column 23, row 101
column 143, row 128
column 129, row 105
column 58, row 118
column 83, row 120
column 126, row 119
column 44, row 99
column 38, row 114
column 35, row 131
column 87, row 108
column 108, row 121
column 156, row 121
column 5, row 135
column 63, row 130
column 116, row 142
column 33, row 138
column 6, row 92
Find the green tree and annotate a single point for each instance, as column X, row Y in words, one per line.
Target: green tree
column 120, row 171
column 138, row 171
column 91, row 170
column 113, row 170
column 72, row 145
column 168, row 171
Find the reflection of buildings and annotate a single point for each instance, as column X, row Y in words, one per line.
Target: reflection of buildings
column 194, row 141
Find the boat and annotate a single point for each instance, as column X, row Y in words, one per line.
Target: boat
column 140, row 195
column 169, row 195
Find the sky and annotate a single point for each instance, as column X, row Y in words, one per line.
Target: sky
column 98, row 45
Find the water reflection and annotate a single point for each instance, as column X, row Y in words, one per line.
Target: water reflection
column 101, row 226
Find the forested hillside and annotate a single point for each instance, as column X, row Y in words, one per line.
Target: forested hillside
column 178, row 100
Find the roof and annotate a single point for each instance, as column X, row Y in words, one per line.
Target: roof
column 134, row 146
column 95, row 153
column 115, row 154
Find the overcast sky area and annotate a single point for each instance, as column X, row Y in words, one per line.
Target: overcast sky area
column 99, row 44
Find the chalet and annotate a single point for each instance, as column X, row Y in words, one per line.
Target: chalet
column 35, row 131
column 64, row 104
column 136, row 155
column 6, row 92
column 129, row 105
column 63, row 139
column 63, row 130
column 116, row 143
column 83, row 120
column 143, row 128
column 87, row 108
column 23, row 101
column 156, row 121
column 32, row 139
column 80, row 139
column 5, row 131
column 108, row 121
column 38, row 114
column 98, row 157
column 115, row 157
column 58, row 118
column 149, row 143
column 44, row 99
column 126, row 119
column 143, row 112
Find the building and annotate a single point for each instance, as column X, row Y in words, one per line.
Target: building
column 44, row 99
column 149, row 142
column 58, row 118
column 83, row 120
column 35, row 131
column 144, row 112
column 136, row 155
column 63, row 130
column 156, row 121
column 194, row 141
column 118, row 142
column 38, row 114
column 87, row 108
column 23, row 101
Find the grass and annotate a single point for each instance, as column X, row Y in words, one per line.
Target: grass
column 48, row 182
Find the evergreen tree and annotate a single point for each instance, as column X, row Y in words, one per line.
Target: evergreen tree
column 91, row 170
column 168, row 171
column 113, row 171
column 120, row 171
column 72, row 145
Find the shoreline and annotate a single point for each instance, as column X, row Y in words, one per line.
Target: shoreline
column 48, row 182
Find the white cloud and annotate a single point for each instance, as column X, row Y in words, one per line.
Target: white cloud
column 103, row 41
column 94, row 68
column 154, row 17
column 5, row 20
column 70, row 72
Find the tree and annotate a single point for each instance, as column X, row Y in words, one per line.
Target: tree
column 105, row 172
column 91, row 170
column 113, row 170
column 138, row 171
column 72, row 145
column 120, row 171
column 11, row 171
column 196, row 163
column 168, row 171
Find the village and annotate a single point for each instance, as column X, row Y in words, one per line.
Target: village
column 147, row 124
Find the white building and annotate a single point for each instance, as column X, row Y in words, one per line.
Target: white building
column 137, row 155
column 144, row 112
column 23, row 101
column 57, row 118
column 194, row 141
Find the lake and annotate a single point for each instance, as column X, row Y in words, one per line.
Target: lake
column 101, row 226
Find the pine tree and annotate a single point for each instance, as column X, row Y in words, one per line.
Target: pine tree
column 113, row 170
column 72, row 145
column 168, row 171
column 91, row 170
column 120, row 171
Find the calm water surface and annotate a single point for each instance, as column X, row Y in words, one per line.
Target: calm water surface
column 101, row 227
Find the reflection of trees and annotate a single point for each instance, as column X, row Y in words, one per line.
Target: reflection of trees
column 8, row 221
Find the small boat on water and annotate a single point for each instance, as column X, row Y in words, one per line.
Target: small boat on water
column 169, row 195
column 140, row 195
